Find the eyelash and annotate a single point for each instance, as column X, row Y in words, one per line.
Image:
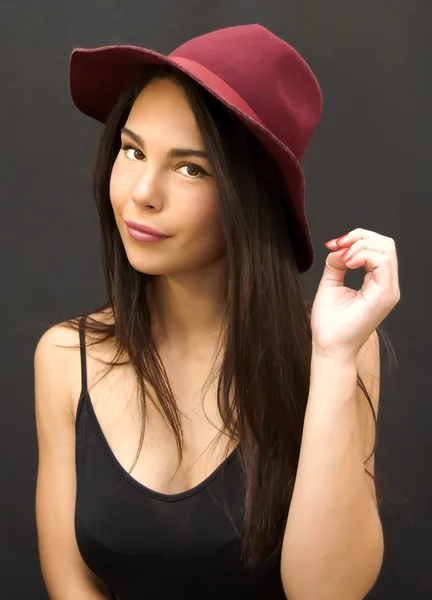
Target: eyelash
column 202, row 172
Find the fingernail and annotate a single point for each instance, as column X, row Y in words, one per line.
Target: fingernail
column 340, row 239
column 333, row 241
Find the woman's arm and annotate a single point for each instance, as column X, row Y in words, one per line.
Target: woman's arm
column 65, row 574
column 333, row 543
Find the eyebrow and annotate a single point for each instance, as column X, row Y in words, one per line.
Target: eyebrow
column 173, row 153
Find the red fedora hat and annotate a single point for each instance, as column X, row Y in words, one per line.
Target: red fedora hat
column 256, row 74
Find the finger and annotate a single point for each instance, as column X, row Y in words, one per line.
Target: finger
column 334, row 270
column 382, row 244
column 369, row 244
column 379, row 263
column 348, row 239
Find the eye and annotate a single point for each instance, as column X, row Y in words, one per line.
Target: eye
column 127, row 147
column 193, row 171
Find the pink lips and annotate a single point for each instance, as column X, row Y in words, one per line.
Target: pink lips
column 142, row 233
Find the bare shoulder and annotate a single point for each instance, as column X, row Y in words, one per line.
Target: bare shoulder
column 57, row 360
column 57, row 345
column 57, row 338
column 63, row 338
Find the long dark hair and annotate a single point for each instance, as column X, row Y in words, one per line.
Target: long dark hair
column 263, row 380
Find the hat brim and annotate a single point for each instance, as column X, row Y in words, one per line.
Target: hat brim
column 98, row 76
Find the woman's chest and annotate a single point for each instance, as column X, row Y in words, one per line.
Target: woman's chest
column 122, row 417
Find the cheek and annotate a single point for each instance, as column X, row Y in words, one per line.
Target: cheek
column 121, row 184
column 202, row 217
column 117, row 185
column 202, row 227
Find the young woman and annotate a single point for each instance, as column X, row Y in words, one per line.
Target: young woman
column 206, row 433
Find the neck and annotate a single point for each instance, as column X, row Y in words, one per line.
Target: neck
column 188, row 309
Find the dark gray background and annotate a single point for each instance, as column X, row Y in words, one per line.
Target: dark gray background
column 367, row 167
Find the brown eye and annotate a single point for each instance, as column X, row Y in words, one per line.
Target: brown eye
column 133, row 152
column 193, row 171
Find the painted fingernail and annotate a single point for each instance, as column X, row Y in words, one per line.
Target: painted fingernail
column 341, row 238
column 333, row 241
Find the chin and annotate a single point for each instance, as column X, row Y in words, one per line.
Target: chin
column 146, row 262
column 162, row 267
column 149, row 267
column 167, row 263
column 154, row 265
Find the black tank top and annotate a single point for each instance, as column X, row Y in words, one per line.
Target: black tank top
column 147, row 545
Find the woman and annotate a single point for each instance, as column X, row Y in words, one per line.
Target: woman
column 204, row 434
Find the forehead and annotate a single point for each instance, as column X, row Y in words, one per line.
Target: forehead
column 163, row 105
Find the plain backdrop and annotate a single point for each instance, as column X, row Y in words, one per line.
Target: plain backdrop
column 368, row 166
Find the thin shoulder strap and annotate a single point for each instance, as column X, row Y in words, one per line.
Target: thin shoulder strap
column 83, row 354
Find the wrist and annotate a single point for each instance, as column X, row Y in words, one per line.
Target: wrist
column 338, row 356
column 333, row 377
column 332, row 362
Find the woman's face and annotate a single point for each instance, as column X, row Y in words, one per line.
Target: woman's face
column 176, row 195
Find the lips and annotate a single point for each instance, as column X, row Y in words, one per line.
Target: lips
column 145, row 229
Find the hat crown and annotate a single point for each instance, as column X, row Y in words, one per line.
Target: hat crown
column 268, row 73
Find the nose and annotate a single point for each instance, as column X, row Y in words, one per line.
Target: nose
column 147, row 191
